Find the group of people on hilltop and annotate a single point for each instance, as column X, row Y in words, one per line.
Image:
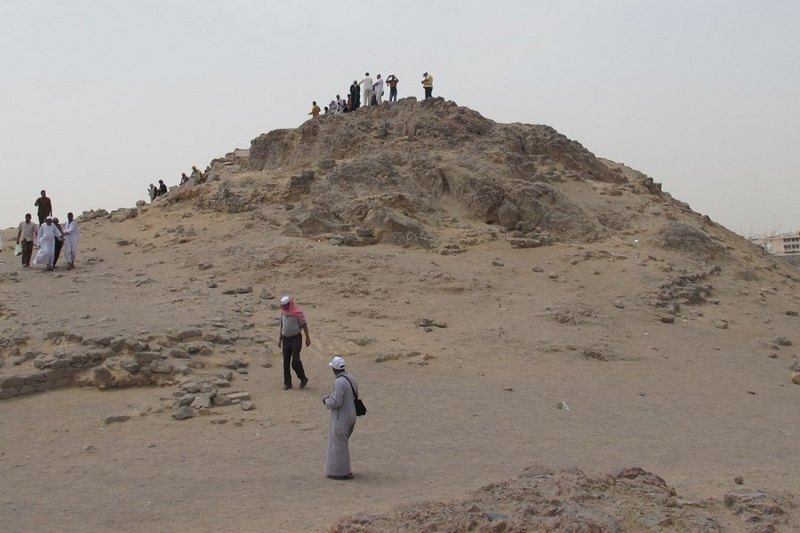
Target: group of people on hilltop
column 49, row 235
column 368, row 93
column 197, row 176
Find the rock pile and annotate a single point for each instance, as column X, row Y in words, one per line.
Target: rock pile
column 541, row 499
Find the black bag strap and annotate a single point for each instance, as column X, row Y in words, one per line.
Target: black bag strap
column 351, row 386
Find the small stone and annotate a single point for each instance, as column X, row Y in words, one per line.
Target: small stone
column 553, row 275
column 116, row 418
column 538, row 269
column 738, row 480
column 619, row 304
column 795, row 365
column 240, row 396
column 233, row 364
column 721, row 324
column 244, row 290
column 241, row 370
column 220, row 421
column 89, row 448
column 563, row 406
column 266, row 364
column 220, row 400
column 773, row 355
column 796, row 378
column 498, row 263
column 186, row 399
column 791, row 313
column 205, row 265
column 667, row 319
column 182, row 413
column 229, row 291
column 509, row 389
column 782, row 341
column 248, row 406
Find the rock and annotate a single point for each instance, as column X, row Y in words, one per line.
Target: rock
column 248, row 406
column 738, row 480
column 202, row 401
column 183, row 412
column 538, row 269
column 233, row 364
column 241, row 370
column 497, row 263
column 205, row 265
column 188, row 334
column 89, row 448
column 619, row 304
column 509, row 389
column 782, row 341
column 244, row 290
column 161, row 367
column 563, row 406
column 221, row 400
column 795, row 365
column 667, row 319
column 796, row 378
column 190, row 386
column 240, row 396
column 721, row 324
column 791, row 313
column 186, row 399
column 116, row 418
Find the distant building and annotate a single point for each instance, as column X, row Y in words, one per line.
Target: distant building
column 781, row 244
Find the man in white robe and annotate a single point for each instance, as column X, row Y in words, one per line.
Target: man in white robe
column 343, row 421
column 47, row 244
column 72, row 236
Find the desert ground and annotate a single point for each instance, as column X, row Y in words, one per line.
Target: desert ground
column 584, row 356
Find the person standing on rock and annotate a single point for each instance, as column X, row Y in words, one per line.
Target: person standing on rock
column 343, row 420
column 45, row 207
column 377, row 90
column 427, row 84
column 72, row 237
column 314, row 110
column 354, row 98
column 293, row 325
column 366, row 84
column 392, row 81
column 47, row 244
column 162, row 188
column 26, row 236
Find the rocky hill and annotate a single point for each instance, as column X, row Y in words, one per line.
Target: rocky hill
column 505, row 297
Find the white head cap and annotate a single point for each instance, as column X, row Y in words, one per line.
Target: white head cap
column 337, row 363
column 285, row 300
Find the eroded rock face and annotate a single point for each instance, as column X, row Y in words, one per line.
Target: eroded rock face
column 680, row 236
column 339, row 167
column 541, row 499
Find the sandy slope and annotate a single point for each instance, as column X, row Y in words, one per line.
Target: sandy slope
column 459, row 407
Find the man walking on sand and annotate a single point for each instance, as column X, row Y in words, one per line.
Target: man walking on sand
column 48, row 234
column 26, row 236
column 72, row 237
column 366, row 84
column 293, row 325
column 45, row 207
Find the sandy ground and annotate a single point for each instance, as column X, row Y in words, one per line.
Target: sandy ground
column 460, row 406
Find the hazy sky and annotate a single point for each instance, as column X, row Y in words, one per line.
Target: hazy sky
column 100, row 98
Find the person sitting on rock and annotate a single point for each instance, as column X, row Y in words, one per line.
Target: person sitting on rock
column 162, row 188
column 184, row 178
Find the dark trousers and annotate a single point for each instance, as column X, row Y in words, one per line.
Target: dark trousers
column 392, row 94
column 59, row 245
column 291, row 357
column 27, row 252
column 428, row 92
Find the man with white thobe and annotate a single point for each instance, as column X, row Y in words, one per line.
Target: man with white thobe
column 48, row 233
column 377, row 89
column 72, row 236
column 366, row 83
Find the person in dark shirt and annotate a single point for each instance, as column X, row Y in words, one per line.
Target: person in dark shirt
column 45, row 207
column 162, row 188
